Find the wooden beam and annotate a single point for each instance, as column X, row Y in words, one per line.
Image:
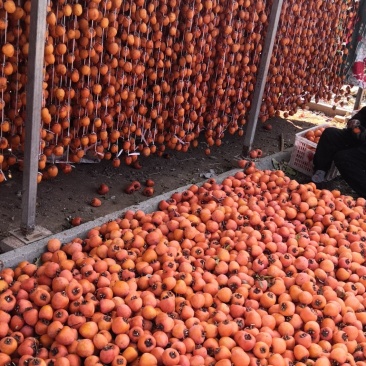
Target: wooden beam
column 262, row 75
column 34, row 97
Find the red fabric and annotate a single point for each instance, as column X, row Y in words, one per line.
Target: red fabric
column 358, row 75
column 355, row 62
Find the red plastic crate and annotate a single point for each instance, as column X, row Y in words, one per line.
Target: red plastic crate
column 303, row 153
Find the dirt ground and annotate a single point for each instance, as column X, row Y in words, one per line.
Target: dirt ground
column 67, row 196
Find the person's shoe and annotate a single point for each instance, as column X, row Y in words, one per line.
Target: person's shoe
column 319, row 176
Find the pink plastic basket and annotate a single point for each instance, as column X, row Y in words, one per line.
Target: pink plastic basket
column 303, row 153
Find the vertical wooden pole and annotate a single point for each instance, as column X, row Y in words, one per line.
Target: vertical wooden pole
column 262, row 75
column 34, row 97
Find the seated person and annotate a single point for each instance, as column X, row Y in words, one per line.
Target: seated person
column 347, row 148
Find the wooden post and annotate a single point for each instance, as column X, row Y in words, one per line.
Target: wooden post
column 34, row 97
column 262, row 75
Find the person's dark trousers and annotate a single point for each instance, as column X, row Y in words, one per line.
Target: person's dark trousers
column 351, row 164
column 332, row 141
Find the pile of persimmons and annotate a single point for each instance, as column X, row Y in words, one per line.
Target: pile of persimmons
column 314, row 135
column 254, row 270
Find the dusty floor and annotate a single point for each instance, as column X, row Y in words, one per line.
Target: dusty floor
column 68, row 196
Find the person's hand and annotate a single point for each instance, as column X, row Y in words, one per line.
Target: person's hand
column 359, row 132
column 353, row 123
column 356, row 130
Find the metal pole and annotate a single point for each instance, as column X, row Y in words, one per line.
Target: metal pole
column 359, row 98
column 262, row 75
column 34, row 96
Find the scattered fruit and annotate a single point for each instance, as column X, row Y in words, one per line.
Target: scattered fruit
column 76, row 221
column 259, row 153
column 103, row 189
column 149, row 183
column 148, row 191
column 253, row 154
column 96, row 202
